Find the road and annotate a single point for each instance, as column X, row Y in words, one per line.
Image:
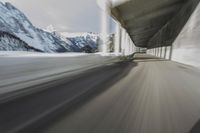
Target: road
column 147, row 95
column 22, row 70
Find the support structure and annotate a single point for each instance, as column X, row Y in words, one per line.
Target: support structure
column 170, row 52
column 122, row 41
column 161, row 52
column 117, row 39
column 104, row 28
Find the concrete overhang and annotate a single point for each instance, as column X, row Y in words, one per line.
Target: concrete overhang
column 145, row 19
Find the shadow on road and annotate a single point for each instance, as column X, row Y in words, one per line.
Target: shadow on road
column 123, row 69
column 196, row 128
column 36, row 111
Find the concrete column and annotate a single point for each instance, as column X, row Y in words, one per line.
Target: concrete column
column 170, row 52
column 123, row 41
column 126, row 44
column 161, row 52
column 165, row 52
column 117, row 39
column 130, row 46
column 104, row 28
column 157, row 52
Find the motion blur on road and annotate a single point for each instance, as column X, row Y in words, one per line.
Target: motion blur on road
column 100, row 66
column 138, row 94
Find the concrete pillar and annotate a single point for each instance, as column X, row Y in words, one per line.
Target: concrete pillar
column 130, row 46
column 117, row 39
column 123, row 41
column 126, row 43
column 165, row 52
column 157, row 52
column 170, row 52
column 104, row 27
column 161, row 52
column 162, row 55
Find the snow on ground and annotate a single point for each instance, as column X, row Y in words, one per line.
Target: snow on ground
column 108, row 54
column 19, row 70
column 37, row 54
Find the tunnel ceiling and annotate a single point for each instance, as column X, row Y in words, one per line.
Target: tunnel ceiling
column 144, row 18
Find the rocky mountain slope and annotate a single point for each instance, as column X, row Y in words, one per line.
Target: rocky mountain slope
column 15, row 24
column 10, row 42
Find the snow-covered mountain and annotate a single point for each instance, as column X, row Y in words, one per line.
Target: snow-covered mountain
column 10, row 42
column 82, row 40
column 14, row 23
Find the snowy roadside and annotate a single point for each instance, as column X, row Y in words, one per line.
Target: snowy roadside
column 20, row 71
column 35, row 54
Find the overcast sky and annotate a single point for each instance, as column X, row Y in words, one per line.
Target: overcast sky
column 64, row 15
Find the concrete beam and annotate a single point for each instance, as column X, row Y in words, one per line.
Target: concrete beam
column 169, row 32
column 160, row 18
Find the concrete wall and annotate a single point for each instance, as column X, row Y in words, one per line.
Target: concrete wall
column 169, row 32
column 162, row 52
column 186, row 48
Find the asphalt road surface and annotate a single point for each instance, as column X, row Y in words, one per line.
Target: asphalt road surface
column 147, row 95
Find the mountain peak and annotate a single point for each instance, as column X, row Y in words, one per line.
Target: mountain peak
column 10, row 6
column 13, row 21
column 50, row 29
